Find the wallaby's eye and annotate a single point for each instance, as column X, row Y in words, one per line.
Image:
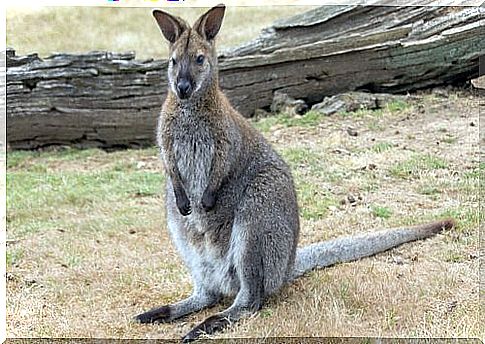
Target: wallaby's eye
column 173, row 61
column 200, row 59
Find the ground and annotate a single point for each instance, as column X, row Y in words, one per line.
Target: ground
column 88, row 247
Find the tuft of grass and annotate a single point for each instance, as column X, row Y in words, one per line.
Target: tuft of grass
column 397, row 106
column 14, row 256
column 313, row 201
column 265, row 125
column 308, row 120
column 72, row 260
column 478, row 173
column 375, row 116
column 454, row 257
column 266, row 313
column 416, row 165
column 449, row 139
column 17, row 158
column 391, row 319
column 375, row 125
column 303, row 157
column 381, row 211
column 381, row 147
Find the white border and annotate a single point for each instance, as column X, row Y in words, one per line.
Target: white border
column 229, row 3
column 3, row 143
column 34, row 4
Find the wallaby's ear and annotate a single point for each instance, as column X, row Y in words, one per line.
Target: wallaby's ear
column 172, row 27
column 209, row 23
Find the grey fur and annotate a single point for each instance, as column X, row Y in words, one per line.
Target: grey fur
column 245, row 245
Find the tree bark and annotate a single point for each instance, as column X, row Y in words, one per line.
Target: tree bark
column 104, row 99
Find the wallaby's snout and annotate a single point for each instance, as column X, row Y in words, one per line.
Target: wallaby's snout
column 192, row 66
column 181, row 74
column 184, row 88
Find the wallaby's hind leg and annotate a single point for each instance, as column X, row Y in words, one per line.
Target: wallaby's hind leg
column 197, row 301
column 248, row 262
column 248, row 300
column 261, row 252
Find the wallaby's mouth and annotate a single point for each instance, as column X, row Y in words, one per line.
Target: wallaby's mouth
column 183, row 96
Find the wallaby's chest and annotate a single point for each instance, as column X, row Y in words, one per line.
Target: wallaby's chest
column 193, row 146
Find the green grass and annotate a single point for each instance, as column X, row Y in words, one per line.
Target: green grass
column 308, row 120
column 298, row 156
column 391, row 319
column 381, row 211
column 79, row 29
column 40, row 195
column 448, row 139
column 306, row 162
column 33, row 197
column 454, row 257
column 476, row 173
column 397, row 106
column 313, row 200
column 381, row 147
column 266, row 312
column 14, row 256
column 417, row 165
column 375, row 116
column 389, row 108
column 308, row 172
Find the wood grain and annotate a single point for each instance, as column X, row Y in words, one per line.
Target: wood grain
column 106, row 99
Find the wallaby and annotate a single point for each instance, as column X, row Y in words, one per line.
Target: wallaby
column 231, row 204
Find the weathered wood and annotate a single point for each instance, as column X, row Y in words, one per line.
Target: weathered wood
column 108, row 99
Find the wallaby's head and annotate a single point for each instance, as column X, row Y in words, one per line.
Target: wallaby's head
column 192, row 64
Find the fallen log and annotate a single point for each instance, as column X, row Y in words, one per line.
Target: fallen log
column 107, row 100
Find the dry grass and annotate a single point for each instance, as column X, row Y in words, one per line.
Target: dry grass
column 88, row 248
column 79, row 29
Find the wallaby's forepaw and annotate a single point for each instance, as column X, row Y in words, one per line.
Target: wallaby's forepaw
column 183, row 203
column 185, row 208
column 209, row 326
column 156, row 315
column 208, row 200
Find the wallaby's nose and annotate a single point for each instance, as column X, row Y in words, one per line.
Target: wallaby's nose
column 184, row 88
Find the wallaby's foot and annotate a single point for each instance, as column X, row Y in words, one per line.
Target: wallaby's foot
column 197, row 301
column 183, row 203
column 156, row 315
column 208, row 199
column 210, row 325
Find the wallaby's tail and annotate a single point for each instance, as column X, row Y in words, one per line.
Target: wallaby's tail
column 351, row 248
